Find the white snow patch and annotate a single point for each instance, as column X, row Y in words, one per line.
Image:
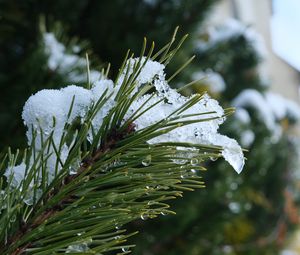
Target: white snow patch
column 247, row 138
column 270, row 107
column 282, row 107
column 251, row 98
column 212, row 79
column 70, row 65
column 242, row 115
column 18, row 173
column 231, row 28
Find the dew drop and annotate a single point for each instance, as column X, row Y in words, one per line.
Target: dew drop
column 213, row 158
column 183, row 175
column 194, row 172
column 164, row 213
column 147, row 160
column 151, row 203
column 72, row 171
column 77, row 248
column 117, row 225
column 194, row 161
column 125, row 249
column 144, row 216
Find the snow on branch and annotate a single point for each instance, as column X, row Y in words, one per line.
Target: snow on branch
column 47, row 113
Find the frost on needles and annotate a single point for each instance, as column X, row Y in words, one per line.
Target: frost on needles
column 197, row 118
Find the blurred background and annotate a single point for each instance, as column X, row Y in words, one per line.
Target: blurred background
column 247, row 56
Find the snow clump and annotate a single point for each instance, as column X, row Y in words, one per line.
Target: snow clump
column 47, row 112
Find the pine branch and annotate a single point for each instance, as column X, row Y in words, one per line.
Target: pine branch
column 116, row 170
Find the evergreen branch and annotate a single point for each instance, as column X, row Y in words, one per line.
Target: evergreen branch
column 119, row 176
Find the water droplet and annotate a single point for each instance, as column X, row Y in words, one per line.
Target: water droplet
column 147, row 160
column 72, row 171
column 164, row 213
column 183, row 175
column 151, row 203
column 144, row 216
column 125, row 249
column 194, row 172
column 213, row 158
column 77, row 248
column 194, row 161
column 117, row 225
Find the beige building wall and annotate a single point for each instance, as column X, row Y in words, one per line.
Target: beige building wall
column 257, row 13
